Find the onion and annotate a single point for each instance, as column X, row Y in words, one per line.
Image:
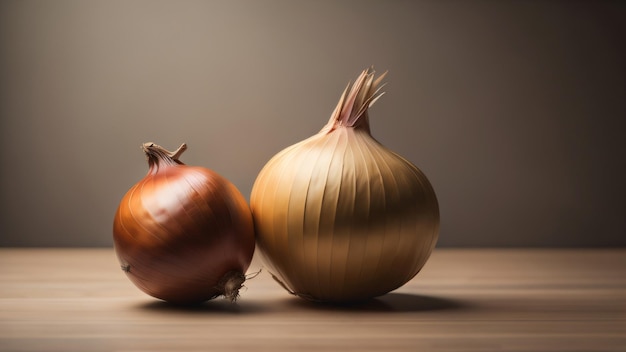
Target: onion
column 183, row 234
column 338, row 216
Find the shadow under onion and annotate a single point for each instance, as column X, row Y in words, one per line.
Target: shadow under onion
column 218, row 306
column 391, row 302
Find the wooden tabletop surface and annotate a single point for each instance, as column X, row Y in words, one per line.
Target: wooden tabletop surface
column 463, row 300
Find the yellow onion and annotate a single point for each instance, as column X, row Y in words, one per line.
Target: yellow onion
column 340, row 217
column 183, row 234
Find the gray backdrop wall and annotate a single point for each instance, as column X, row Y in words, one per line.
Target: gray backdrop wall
column 514, row 109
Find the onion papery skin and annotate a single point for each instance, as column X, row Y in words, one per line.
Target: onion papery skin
column 183, row 233
column 339, row 217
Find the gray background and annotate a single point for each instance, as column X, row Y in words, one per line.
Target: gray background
column 514, row 109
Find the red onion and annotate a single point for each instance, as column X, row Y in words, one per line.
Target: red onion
column 183, row 234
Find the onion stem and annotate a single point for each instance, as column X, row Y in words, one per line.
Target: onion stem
column 157, row 154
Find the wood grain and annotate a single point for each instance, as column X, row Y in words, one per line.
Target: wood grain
column 464, row 300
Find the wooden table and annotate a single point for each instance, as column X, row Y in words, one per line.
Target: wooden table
column 463, row 300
